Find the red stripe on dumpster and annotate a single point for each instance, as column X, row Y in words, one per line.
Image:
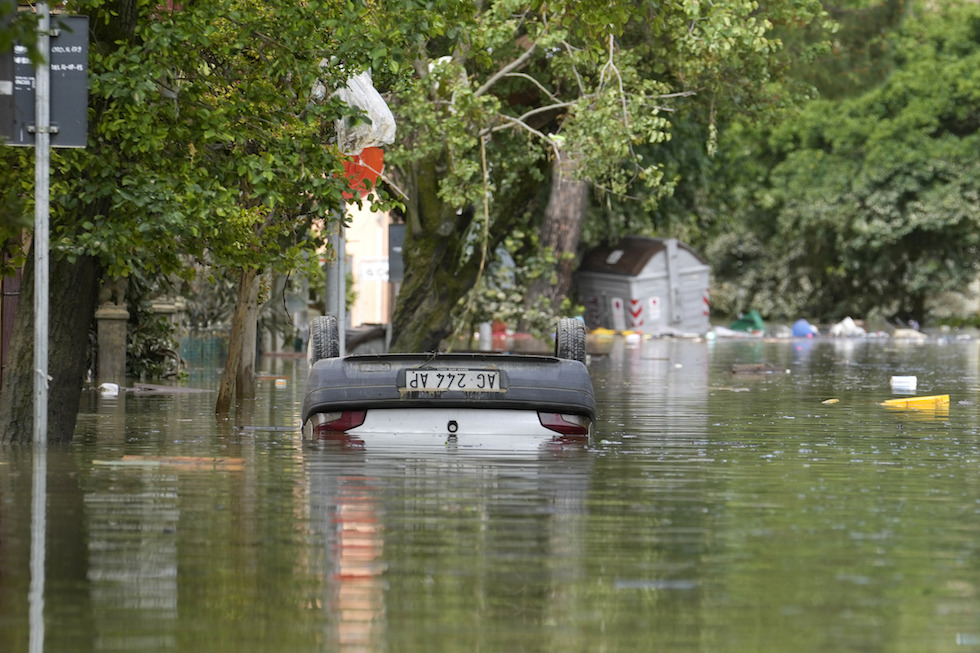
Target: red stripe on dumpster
column 636, row 311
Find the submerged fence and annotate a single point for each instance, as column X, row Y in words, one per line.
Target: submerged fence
column 203, row 349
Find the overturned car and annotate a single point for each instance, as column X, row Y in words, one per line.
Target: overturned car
column 465, row 398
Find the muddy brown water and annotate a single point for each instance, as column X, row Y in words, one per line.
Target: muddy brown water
column 714, row 511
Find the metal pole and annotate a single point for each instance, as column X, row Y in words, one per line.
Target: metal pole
column 39, row 529
column 342, row 287
column 336, row 295
column 330, row 299
column 42, row 165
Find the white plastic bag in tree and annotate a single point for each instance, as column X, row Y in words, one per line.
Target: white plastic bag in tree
column 379, row 130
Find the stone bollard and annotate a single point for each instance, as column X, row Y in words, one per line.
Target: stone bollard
column 111, row 323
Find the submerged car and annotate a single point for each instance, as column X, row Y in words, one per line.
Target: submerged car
column 449, row 397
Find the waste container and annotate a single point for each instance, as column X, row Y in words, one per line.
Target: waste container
column 656, row 286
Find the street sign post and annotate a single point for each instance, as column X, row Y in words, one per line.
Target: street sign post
column 44, row 105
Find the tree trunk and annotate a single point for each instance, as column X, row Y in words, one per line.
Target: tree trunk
column 73, row 298
column 435, row 276
column 236, row 342
column 441, row 266
column 423, row 316
column 561, row 231
column 245, row 377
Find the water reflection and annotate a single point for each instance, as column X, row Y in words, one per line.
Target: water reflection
column 344, row 511
column 651, row 388
column 714, row 511
column 452, row 540
column 132, row 558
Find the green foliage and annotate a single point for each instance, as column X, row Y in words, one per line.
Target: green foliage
column 206, row 145
column 868, row 204
column 204, row 139
column 605, row 83
column 210, row 299
column 17, row 27
column 16, row 215
column 500, row 294
column 151, row 347
column 961, row 322
column 151, row 343
column 859, row 55
column 714, row 64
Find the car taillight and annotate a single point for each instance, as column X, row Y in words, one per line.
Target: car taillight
column 339, row 422
column 565, row 423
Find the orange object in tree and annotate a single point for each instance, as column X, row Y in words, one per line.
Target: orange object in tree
column 363, row 170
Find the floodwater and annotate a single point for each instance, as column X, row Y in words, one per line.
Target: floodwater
column 714, row 511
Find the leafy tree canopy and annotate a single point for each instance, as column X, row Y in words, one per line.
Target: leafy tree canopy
column 514, row 87
column 17, row 27
column 867, row 205
column 205, row 136
column 858, row 55
column 834, row 52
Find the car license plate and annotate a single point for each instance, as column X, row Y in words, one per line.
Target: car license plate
column 462, row 380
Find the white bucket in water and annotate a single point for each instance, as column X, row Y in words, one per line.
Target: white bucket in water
column 904, row 383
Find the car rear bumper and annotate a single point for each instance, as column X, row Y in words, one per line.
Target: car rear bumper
column 423, row 428
column 536, row 392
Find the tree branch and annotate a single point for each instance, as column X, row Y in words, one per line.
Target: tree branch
column 385, row 178
column 516, row 122
column 550, row 107
column 578, row 78
column 536, row 83
column 611, row 65
column 513, row 65
column 678, row 94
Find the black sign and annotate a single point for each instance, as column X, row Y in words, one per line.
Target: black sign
column 69, row 86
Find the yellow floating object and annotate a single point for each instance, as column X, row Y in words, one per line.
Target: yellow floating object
column 917, row 403
column 830, row 401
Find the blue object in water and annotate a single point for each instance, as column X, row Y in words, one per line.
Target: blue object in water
column 803, row 329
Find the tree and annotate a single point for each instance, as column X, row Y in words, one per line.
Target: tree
column 17, row 27
column 858, row 56
column 868, row 205
column 204, row 146
column 511, row 93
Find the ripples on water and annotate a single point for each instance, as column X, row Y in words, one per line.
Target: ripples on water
column 713, row 512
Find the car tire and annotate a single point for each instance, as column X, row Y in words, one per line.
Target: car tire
column 324, row 339
column 570, row 339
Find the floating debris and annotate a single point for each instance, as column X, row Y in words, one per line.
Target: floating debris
column 150, row 388
column 904, row 383
column 757, row 368
column 656, row 584
column 916, row 403
column 179, row 462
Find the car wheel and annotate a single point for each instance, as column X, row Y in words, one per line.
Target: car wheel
column 324, row 339
column 570, row 339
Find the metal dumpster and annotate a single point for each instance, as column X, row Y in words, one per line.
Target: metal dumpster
column 656, row 286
